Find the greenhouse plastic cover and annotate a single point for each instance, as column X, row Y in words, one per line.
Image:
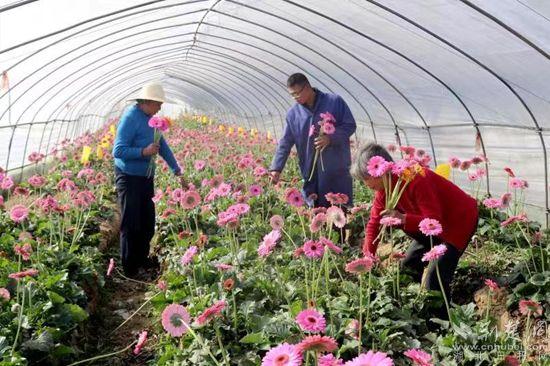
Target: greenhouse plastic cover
column 454, row 77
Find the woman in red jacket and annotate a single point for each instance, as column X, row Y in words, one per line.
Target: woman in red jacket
column 428, row 195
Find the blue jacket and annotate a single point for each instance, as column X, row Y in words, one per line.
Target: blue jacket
column 134, row 134
column 336, row 156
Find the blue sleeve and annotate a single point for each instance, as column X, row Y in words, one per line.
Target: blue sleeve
column 345, row 126
column 123, row 148
column 283, row 149
column 168, row 156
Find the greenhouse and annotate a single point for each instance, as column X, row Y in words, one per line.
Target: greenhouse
column 274, row 182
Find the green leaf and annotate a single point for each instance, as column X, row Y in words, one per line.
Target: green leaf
column 539, row 279
column 77, row 313
column 253, row 338
column 295, row 308
column 55, row 297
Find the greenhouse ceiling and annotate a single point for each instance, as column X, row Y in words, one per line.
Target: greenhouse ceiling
column 455, row 77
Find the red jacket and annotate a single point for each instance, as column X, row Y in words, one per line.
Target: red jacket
column 429, row 196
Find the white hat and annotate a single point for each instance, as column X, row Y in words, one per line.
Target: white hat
column 151, row 91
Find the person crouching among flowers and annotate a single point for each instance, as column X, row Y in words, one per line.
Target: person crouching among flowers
column 452, row 213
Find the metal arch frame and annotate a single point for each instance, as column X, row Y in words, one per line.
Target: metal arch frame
column 403, row 56
column 93, row 41
column 260, row 91
column 246, row 83
column 508, row 28
column 198, row 27
column 292, row 63
column 131, row 78
column 82, row 55
column 125, row 65
column 499, row 78
column 67, row 101
column 194, row 73
column 16, row 125
column 82, row 23
column 200, row 57
column 91, row 27
column 538, row 128
column 16, row 5
column 218, row 110
column 237, row 96
column 376, row 72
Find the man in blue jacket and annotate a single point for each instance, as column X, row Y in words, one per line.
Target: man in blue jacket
column 133, row 149
column 335, row 148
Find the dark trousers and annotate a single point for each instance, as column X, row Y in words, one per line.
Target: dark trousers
column 413, row 265
column 137, row 225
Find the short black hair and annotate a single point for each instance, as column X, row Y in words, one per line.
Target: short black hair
column 297, row 79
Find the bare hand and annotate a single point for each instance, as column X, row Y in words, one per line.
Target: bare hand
column 394, row 213
column 275, row 176
column 321, row 142
column 151, row 150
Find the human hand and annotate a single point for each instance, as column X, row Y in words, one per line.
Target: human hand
column 151, row 149
column 321, row 142
column 274, row 176
column 394, row 213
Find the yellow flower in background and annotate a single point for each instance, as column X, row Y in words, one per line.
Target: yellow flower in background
column 240, row 130
column 443, row 170
column 99, row 152
column 210, row 121
column 204, row 119
column 268, row 135
column 221, row 128
column 86, row 151
column 231, row 130
column 253, row 132
column 112, row 130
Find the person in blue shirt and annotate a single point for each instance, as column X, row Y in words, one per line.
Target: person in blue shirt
column 336, row 153
column 133, row 149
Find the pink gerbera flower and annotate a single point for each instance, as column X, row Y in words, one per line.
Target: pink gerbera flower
column 293, row 197
column 377, row 166
column 310, row 320
column 190, row 200
column 212, row 312
column 255, row 190
column 317, row 222
column 317, row 343
column 31, row 272
column 329, row 244
column 276, row 222
column 175, row 320
column 19, row 213
column 328, row 128
column 199, row 165
column 4, row 294
column 390, row 221
column 189, row 255
column 371, row 359
column 430, row 227
column 419, row 357
column 491, row 284
column 530, row 306
column 435, row 253
column 361, row 265
column 283, row 355
column 492, row 203
column 335, row 216
column 111, row 267
column 141, row 342
column 329, row 360
column 224, row 267
column 312, row 249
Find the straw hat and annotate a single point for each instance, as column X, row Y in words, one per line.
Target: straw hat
column 151, row 91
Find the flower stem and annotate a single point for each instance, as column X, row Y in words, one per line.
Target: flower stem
column 443, row 290
column 105, row 355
